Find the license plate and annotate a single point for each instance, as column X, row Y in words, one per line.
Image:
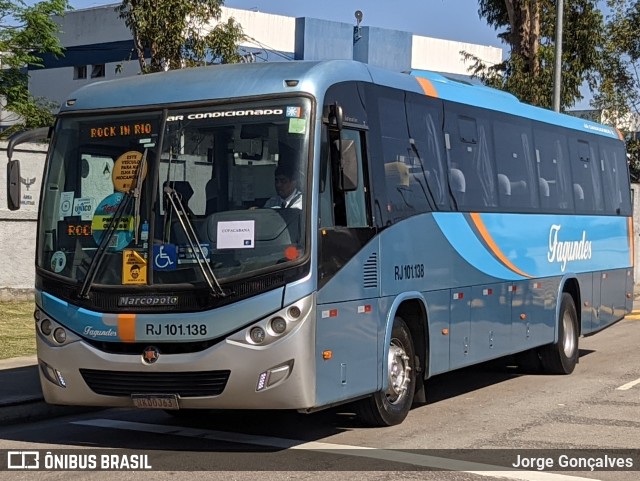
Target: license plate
column 155, row 401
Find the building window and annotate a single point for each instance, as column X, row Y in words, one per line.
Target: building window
column 97, row 70
column 80, row 71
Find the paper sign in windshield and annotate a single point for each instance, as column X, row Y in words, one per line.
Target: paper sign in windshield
column 134, row 267
column 125, row 170
column 240, row 234
column 84, row 207
column 66, row 204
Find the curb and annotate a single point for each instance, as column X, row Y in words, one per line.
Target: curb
column 22, row 400
column 35, row 410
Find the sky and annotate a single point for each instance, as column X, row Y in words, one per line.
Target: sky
column 447, row 19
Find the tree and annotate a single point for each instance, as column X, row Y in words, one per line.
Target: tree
column 618, row 92
column 529, row 31
column 173, row 33
column 25, row 32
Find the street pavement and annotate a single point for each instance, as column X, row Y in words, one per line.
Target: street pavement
column 21, row 397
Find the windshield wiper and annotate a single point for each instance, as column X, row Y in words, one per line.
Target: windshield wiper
column 194, row 241
column 134, row 193
column 104, row 243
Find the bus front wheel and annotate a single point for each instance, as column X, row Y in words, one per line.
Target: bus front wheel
column 391, row 406
column 561, row 357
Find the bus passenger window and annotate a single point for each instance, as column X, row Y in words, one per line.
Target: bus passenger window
column 614, row 177
column 585, row 171
column 517, row 178
column 554, row 175
column 469, row 152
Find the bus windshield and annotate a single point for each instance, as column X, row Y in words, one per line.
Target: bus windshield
column 176, row 196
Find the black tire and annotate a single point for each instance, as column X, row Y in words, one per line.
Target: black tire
column 561, row 357
column 390, row 407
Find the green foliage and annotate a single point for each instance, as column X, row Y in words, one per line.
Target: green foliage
column 528, row 27
column 25, row 32
column 174, row 33
column 603, row 52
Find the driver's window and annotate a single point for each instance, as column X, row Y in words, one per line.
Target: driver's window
column 337, row 208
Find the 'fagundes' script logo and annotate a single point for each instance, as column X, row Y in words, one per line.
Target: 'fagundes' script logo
column 566, row 251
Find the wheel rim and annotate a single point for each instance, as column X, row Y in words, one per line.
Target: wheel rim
column 399, row 372
column 569, row 341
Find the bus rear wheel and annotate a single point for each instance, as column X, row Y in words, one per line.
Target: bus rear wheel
column 561, row 357
column 390, row 407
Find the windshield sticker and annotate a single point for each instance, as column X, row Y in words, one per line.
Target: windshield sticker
column 66, row 204
column 297, row 126
column 294, row 112
column 165, row 257
column 186, row 256
column 125, row 170
column 236, row 234
column 84, row 207
column 58, row 261
column 134, row 267
column 123, row 233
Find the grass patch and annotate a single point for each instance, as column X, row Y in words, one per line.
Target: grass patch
column 17, row 329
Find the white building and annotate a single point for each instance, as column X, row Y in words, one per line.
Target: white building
column 99, row 46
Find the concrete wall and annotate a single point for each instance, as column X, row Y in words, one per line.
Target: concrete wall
column 18, row 228
column 445, row 55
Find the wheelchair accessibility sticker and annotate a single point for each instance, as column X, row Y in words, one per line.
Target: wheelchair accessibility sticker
column 165, row 257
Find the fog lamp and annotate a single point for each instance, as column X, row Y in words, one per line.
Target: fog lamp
column 52, row 375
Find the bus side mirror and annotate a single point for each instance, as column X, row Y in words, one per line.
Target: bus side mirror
column 348, row 164
column 13, row 185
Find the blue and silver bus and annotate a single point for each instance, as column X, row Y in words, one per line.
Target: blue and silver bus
column 436, row 224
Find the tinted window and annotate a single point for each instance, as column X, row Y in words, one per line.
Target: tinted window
column 517, row 179
column 554, row 173
column 405, row 194
column 585, row 171
column 472, row 177
column 615, row 178
column 425, row 122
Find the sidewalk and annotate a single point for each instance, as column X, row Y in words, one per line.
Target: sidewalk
column 21, row 398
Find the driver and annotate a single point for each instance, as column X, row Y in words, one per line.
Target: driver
column 286, row 184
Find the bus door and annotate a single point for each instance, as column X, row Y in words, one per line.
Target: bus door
column 348, row 312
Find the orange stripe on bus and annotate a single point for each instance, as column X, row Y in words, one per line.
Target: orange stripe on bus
column 127, row 327
column 493, row 246
column 427, row 87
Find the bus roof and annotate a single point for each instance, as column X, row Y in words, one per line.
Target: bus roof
column 248, row 80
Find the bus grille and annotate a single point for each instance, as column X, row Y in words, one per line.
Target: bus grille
column 185, row 384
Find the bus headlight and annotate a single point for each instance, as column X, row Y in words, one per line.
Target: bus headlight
column 257, row 335
column 60, row 335
column 46, row 327
column 278, row 325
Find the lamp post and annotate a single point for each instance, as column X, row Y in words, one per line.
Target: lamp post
column 557, row 70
